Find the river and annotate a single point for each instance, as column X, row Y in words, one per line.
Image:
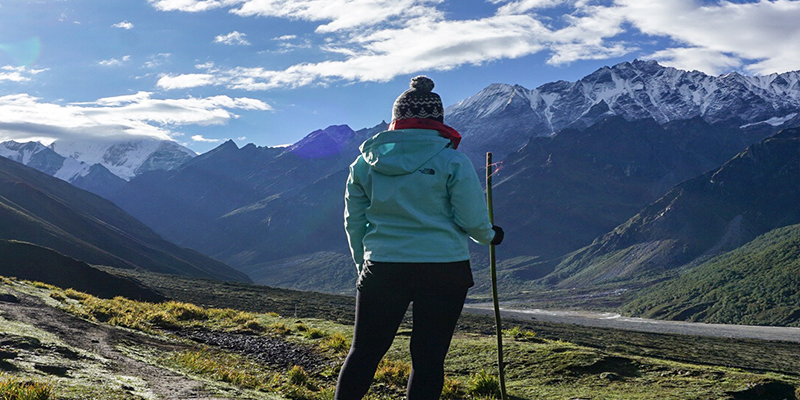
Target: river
column 617, row 321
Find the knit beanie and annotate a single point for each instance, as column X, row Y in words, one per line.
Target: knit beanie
column 418, row 101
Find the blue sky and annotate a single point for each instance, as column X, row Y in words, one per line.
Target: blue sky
column 271, row 71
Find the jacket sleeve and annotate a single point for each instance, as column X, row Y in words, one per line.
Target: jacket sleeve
column 355, row 218
column 468, row 201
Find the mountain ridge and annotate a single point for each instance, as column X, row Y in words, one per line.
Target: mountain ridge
column 633, row 90
column 719, row 211
column 46, row 211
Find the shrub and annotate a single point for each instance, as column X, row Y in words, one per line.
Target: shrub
column 57, row 295
column 253, row 326
column 337, row 342
column 76, row 295
column 484, row 384
column 452, row 389
column 280, row 328
column 161, row 319
column 314, row 333
column 42, row 285
column 12, row 388
column 521, row 334
column 300, row 393
column 186, row 311
column 298, row 376
column 393, row 373
column 241, row 317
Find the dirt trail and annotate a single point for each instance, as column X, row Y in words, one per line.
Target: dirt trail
column 103, row 340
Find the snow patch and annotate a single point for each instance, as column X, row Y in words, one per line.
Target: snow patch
column 72, row 169
column 774, row 121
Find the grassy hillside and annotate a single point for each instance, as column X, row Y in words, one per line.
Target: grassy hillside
column 757, row 284
column 40, row 209
column 231, row 354
column 753, row 193
column 29, row 261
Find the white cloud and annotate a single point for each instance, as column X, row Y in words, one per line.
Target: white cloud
column 123, row 25
column 522, row 6
column 342, row 14
column 188, row 5
column 760, row 36
column 157, row 60
column 185, row 81
column 695, row 58
column 234, row 39
column 200, row 138
column 23, row 116
column 114, row 62
column 586, row 35
column 18, row 74
column 385, row 54
column 378, row 40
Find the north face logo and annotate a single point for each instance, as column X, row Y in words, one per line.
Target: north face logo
column 427, row 171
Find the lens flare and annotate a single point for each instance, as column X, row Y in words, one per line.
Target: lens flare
column 24, row 53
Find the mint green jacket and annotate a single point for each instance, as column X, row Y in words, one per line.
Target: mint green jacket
column 410, row 197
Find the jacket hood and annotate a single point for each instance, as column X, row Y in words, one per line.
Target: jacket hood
column 403, row 151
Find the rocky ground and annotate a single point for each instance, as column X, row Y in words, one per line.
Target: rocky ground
column 40, row 339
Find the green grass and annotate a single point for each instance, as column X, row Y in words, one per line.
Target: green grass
column 484, row 384
column 226, row 368
column 620, row 365
column 757, row 284
column 15, row 388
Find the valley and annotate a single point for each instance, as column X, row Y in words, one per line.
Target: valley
column 192, row 193
column 639, row 190
column 611, row 320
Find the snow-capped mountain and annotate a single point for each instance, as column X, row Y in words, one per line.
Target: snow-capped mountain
column 94, row 178
column 126, row 159
column 97, row 166
column 508, row 116
column 42, row 158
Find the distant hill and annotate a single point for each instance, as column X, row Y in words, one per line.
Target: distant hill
column 753, row 193
column 35, row 263
column 756, row 284
column 49, row 212
column 252, row 205
column 557, row 194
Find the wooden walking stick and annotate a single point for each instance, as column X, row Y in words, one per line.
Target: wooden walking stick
column 493, row 269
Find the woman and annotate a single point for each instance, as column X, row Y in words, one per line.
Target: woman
column 411, row 204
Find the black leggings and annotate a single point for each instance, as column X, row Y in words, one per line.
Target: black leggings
column 385, row 291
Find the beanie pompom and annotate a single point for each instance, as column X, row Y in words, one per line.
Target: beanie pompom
column 418, row 101
column 421, row 83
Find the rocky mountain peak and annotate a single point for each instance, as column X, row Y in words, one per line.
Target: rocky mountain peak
column 634, row 90
column 323, row 142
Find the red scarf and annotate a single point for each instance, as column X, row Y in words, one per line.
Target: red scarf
column 427, row 123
